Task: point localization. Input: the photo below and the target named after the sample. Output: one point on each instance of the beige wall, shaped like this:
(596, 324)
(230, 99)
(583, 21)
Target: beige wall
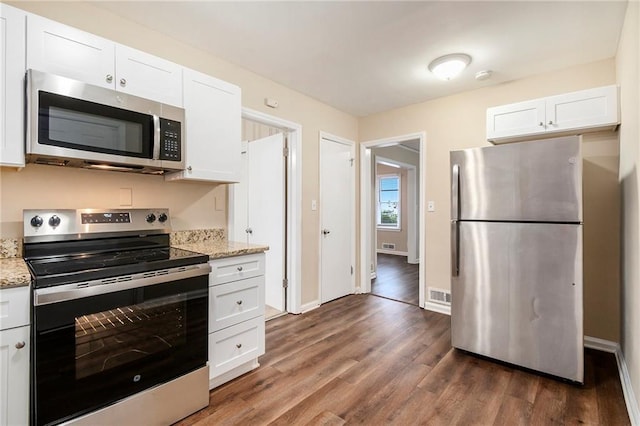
(457, 122)
(294, 106)
(397, 237)
(628, 72)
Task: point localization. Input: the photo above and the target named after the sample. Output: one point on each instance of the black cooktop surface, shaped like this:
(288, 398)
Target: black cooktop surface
(65, 269)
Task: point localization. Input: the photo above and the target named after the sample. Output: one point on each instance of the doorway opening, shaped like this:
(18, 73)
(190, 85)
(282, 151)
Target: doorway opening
(264, 207)
(396, 262)
(392, 222)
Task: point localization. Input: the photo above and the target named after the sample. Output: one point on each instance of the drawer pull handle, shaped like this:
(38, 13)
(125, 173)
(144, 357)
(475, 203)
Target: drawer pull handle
(20, 345)
(238, 345)
(239, 302)
(239, 268)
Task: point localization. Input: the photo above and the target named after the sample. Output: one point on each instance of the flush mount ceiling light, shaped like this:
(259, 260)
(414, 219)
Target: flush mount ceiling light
(449, 66)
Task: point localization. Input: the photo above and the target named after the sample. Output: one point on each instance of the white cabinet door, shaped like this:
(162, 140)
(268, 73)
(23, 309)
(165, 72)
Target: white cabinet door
(212, 133)
(516, 119)
(14, 376)
(582, 110)
(12, 70)
(62, 50)
(148, 76)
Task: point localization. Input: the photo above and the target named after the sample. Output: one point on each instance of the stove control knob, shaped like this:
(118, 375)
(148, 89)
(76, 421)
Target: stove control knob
(151, 218)
(162, 218)
(36, 221)
(54, 220)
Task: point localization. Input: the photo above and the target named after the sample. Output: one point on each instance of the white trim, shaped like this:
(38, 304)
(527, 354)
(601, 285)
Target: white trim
(309, 306)
(396, 252)
(352, 145)
(366, 228)
(294, 204)
(625, 380)
(601, 344)
(436, 307)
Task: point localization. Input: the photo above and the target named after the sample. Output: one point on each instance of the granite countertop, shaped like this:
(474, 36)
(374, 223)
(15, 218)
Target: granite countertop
(14, 273)
(217, 249)
(212, 242)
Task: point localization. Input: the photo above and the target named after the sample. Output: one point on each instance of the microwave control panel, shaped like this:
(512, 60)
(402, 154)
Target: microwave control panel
(170, 140)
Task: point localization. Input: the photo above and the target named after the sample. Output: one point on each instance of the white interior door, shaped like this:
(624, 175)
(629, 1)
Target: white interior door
(241, 199)
(265, 168)
(337, 218)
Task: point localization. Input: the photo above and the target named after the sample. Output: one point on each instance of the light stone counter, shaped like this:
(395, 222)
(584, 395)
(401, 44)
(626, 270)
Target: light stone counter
(217, 249)
(14, 273)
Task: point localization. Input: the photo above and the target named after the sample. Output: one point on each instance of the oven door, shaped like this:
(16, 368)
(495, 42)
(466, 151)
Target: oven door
(90, 352)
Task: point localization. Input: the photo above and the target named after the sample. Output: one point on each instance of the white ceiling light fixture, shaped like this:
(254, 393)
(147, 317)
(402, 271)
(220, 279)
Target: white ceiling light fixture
(449, 66)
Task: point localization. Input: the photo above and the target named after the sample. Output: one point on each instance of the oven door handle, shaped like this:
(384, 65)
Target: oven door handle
(65, 292)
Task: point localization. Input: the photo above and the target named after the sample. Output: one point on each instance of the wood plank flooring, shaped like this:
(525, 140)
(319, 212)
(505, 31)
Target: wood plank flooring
(396, 279)
(368, 360)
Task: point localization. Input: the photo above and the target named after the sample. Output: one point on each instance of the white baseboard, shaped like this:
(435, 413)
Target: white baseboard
(436, 307)
(395, 252)
(625, 380)
(309, 306)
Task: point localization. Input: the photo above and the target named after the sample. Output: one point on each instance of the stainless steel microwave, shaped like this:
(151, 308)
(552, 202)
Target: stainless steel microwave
(71, 123)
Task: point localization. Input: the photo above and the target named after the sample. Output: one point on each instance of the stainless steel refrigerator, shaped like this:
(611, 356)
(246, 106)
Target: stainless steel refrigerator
(516, 254)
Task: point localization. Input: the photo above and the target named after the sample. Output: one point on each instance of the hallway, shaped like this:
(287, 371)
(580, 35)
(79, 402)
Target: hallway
(396, 279)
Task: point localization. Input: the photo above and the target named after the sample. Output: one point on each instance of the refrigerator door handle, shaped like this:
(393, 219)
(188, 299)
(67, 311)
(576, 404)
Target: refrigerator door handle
(455, 243)
(455, 216)
(455, 192)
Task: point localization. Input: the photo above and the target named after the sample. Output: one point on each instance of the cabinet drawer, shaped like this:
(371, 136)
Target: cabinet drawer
(236, 268)
(14, 307)
(235, 345)
(234, 302)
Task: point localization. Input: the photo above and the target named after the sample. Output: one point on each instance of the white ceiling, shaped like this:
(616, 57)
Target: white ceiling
(365, 57)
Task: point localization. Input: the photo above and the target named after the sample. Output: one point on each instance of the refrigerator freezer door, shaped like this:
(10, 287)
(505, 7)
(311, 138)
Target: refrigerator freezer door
(518, 295)
(537, 181)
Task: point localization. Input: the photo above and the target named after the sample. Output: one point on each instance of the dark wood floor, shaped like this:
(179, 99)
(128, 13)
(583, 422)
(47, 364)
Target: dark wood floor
(396, 279)
(368, 360)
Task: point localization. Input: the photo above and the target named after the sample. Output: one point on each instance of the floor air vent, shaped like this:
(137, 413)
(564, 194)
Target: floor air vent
(438, 295)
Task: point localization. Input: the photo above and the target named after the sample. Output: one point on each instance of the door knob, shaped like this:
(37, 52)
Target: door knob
(249, 231)
(123, 82)
(326, 232)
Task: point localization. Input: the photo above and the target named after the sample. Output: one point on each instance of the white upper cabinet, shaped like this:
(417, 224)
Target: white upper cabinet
(582, 110)
(213, 116)
(516, 119)
(69, 52)
(12, 71)
(148, 76)
(576, 112)
(62, 50)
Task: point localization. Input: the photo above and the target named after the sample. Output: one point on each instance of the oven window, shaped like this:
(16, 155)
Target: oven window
(88, 126)
(123, 335)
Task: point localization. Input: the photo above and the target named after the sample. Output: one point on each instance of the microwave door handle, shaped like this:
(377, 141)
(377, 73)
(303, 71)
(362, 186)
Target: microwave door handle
(156, 137)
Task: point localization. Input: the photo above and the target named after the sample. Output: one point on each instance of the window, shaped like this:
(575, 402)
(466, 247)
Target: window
(389, 201)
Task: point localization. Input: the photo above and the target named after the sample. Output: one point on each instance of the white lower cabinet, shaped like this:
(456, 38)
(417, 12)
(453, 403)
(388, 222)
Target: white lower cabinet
(14, 356)
(236, 316)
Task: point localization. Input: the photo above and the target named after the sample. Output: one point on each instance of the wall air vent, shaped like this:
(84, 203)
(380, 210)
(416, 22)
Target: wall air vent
(438, 295)
(388, 246)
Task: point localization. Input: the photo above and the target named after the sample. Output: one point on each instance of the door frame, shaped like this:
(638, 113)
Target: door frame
(293, 207)
(352, 220)
(366, 214)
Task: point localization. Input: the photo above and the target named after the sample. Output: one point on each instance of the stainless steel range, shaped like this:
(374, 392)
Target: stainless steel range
(119, 318)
